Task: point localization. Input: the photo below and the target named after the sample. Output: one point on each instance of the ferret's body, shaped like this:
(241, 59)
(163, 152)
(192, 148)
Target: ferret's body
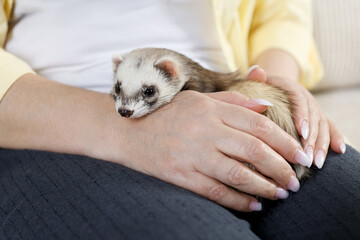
(146, 79)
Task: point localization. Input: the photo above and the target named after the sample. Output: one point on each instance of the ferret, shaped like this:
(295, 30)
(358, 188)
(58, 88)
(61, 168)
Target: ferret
(148, 78)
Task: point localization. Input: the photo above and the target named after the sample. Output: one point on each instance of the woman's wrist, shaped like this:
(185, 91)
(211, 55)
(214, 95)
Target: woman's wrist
(111, 138)
(40, 114)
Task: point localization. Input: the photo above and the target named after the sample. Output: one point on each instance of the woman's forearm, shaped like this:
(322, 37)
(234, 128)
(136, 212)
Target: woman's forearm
(279, 63)
(37, 113)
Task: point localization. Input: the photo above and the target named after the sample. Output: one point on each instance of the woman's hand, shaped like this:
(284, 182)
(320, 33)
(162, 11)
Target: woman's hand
(194, 142)
(317, 131)
(197, 142)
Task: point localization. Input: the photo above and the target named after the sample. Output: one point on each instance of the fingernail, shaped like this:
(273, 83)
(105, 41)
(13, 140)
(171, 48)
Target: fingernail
(310, 153)
(293, 184)
(320, 158)
(342, 148)
(251, 69)
(305, 129)
(302, 158)
(255, 206)
(261, 102)
(281, 193)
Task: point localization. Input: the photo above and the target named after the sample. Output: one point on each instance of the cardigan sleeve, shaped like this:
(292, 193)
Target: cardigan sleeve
(286, 25)
(11, 67)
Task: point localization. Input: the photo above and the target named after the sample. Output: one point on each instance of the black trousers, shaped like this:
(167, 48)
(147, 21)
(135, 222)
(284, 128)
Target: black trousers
(56, 196)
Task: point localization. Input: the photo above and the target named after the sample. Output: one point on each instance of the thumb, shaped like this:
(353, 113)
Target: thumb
(256, 73)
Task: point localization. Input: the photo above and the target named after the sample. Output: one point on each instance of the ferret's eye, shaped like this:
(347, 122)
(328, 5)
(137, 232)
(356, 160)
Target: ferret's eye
(117, 88)
(149, 92)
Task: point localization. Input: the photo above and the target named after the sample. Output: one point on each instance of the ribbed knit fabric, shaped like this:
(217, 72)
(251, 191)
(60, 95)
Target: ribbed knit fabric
(326, 206)
(57, 196)
(337, 34)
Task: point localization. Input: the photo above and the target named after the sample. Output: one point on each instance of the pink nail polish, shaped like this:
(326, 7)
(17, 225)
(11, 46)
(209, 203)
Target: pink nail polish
(342, 148)
(302, 158)
(251, 69)
(262, 102)
(255, 206)
(305, 129)
(281, 193)
(320, 158)
(293, 184)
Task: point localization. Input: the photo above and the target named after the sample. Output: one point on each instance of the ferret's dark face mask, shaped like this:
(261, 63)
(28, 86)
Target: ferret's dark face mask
(138, 104)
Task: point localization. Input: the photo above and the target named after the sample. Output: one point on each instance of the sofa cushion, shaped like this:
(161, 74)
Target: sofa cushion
(343, 107)
(337, 33)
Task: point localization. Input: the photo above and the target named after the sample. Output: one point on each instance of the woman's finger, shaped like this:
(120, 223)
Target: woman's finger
(237, 175)
(266, 130)
(309, 143)
(256, 73)
(237, 98)
(301, 113)
(219, 193)
(300, 104)
(336, 138)
(246, 148)
(322, 143)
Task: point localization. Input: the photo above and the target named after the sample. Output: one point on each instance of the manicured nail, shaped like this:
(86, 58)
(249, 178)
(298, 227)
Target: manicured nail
(302, 158)
(310, 152)
(262, 102)
(305, 129)
(255, 206)
(281, 193)
(293, 184)
(342, 148)
(320, 158)
(251, 69)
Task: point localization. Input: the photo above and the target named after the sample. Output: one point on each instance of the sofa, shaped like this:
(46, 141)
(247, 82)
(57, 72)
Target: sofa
(337, 34)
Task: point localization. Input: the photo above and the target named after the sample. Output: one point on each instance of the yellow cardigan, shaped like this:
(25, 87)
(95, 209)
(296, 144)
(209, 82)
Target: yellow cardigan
(246, 29)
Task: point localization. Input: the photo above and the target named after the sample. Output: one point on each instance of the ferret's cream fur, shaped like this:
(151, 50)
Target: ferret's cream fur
(167, 73)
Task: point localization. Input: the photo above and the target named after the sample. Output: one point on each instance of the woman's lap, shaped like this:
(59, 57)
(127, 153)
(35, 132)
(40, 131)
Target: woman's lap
(325, 207)
(57, 196)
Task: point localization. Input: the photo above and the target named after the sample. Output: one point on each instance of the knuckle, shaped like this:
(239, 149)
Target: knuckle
(217, 193)
(235, 94)
(262, 126)
(324, 123)
(238, 175)
(205, 104)
(255, 151)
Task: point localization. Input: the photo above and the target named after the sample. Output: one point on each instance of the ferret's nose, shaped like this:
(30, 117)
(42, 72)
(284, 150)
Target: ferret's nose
(125, 112)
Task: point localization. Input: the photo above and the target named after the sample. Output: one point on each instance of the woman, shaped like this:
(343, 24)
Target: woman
(48, 195)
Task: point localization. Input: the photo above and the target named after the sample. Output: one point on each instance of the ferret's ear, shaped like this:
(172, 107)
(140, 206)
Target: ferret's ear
(116, 59)
(168, 67)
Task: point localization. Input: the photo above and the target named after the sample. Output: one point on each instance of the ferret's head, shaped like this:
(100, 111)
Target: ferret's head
(144, 81)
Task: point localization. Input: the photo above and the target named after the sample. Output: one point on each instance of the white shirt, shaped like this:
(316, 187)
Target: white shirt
(72, 41)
